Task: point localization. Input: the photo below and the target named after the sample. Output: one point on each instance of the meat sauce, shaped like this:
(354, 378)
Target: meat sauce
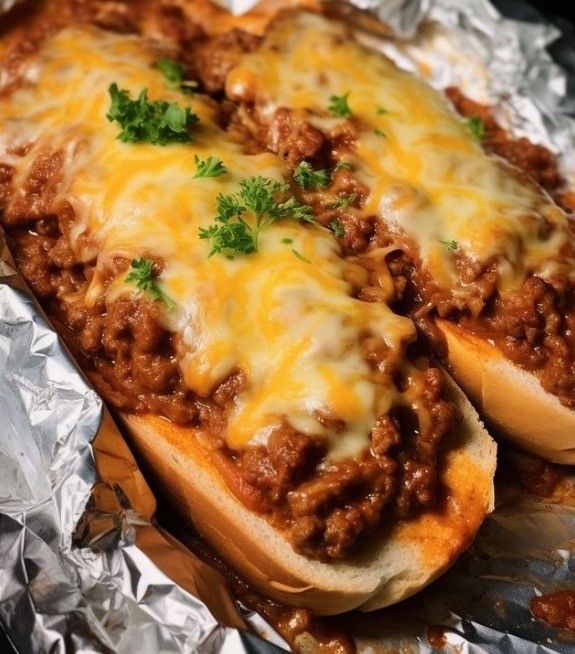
(533, 326)
(326, 507)
(132, 362)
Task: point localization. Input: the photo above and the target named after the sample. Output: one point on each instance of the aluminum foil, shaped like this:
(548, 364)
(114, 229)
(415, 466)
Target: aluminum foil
(525, 548)
(493, 59)
(84, 568)
(237, 7)
(67, 478)
(6, 5)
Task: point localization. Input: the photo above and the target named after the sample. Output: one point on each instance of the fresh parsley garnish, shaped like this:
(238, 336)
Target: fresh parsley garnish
(339, 106)
(158, 122)
(381, 111)
(380, 133)
(210, 167)
(306, 177)
(173, 72)
(141, 274)
(344, 201)
(337, 228)
(450, 245)
(476, 127)
(299, 255)
(287, 241)
(343, 165)
(261, 201)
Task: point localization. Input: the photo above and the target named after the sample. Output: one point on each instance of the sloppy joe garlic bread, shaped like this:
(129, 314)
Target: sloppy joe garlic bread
(224, 230)
(481, 255)
(401, 558)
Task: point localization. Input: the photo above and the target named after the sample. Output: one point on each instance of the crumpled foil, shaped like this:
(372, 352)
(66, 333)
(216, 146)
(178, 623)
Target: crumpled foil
(115, 594)
(493, 59)
(84, 568)
(237, 7)
(6, 5)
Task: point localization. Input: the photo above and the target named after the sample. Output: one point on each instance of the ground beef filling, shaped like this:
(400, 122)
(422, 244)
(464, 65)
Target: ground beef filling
(535, 160)
(133, 362)
(533, 326)
(325, 506)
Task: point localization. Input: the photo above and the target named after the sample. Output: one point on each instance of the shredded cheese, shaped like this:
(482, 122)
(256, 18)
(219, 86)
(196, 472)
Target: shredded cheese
(426, 173)
(291, 325)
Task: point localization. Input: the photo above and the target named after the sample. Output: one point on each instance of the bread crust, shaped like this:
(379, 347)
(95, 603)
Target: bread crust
(508, 397)
(397, 561)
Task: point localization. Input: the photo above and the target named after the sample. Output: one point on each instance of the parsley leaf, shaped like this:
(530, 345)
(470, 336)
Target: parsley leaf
(141, 276)
(344, 201)
(380, 133)
(339, 106)
(210, 167)
(337, 228)
(157, 122)
(343, 165)
(306, 177)
(381, 111)
(300, 256)
(174, 71)
(476, 127)
(263, 201)
(450, 245)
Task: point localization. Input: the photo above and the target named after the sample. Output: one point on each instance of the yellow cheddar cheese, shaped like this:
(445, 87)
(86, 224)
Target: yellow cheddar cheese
(426, 173)
(289, 323)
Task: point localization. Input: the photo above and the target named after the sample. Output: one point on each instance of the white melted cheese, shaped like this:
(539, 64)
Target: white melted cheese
(290, 325)
(426, 173)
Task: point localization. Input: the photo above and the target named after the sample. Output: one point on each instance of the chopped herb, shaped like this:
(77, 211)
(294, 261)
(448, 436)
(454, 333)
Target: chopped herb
(174, 72)
(261, 199)
(344, 201)
(306, 177)
(381, 111)
(339, 106)
(287, 241)
(157, 122)
(337, 228)
(343, 165)
(380, 133)
(299, 255)
(141, 275)
(450, 245)
(476, 127)
(210, 167)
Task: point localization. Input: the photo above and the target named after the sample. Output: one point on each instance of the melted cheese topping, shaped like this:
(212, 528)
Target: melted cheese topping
(426, 173)
(290, 325)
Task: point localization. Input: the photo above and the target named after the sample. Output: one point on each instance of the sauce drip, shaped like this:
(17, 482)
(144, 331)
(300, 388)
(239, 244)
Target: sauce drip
(556, 609)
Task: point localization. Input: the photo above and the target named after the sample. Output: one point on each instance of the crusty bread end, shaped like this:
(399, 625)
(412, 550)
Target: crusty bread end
(401, 558)
(509, 397)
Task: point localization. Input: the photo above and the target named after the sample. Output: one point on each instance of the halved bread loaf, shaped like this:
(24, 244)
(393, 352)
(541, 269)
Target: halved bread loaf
(397, 561)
